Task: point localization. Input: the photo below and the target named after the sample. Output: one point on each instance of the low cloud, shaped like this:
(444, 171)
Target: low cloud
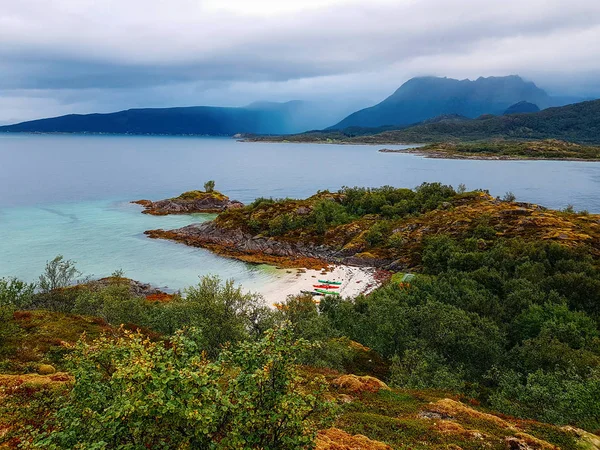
(83, 55)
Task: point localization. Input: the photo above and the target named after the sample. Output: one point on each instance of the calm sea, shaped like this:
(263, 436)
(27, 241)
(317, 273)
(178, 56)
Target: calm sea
(69, 194)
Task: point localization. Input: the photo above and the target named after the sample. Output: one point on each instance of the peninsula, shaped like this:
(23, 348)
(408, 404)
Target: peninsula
(550, 149)
(383, 227)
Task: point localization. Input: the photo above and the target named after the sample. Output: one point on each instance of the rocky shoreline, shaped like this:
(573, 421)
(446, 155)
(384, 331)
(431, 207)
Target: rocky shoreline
(244, 246)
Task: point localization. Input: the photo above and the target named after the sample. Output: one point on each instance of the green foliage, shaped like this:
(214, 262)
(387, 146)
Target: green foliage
(16, 293)
(556, 320)
(209, 186)
(326, 211)
(59, 273)
(8, 328)
(560, 397)
(393, 202)
(422, 369)
(222, 312)
(131, 393)
(509, 197)
(483, 310)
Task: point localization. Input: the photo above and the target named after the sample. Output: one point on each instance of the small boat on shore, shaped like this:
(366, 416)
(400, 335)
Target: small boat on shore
(325, 286)
(338, 283)
(324, 292)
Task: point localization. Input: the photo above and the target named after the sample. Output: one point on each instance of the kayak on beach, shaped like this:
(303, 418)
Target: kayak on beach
(327, 292)
(325, 286)
(330, 282)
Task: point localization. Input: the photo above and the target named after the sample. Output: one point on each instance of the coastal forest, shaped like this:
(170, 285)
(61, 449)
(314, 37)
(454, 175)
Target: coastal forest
(495, 341)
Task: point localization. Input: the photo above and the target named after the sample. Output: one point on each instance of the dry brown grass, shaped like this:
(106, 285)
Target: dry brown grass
(353, 383)
(336, 439)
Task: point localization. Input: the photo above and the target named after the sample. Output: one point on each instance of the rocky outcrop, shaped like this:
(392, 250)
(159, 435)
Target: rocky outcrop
(189, 203)
(245, 246)
(136, 288)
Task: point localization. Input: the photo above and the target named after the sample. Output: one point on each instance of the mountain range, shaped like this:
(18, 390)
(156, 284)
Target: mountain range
(260, 118)
(422, 98)
(418, 100)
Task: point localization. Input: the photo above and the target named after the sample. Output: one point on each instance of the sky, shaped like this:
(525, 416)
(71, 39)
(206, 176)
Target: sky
(79, 56)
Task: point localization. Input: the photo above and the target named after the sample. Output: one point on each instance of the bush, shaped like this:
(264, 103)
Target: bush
(558, 397)
(509, 197)
(209, 186)
(421, 369)
(59, 273)
(16, 293)
(8, 327)
(134, 393)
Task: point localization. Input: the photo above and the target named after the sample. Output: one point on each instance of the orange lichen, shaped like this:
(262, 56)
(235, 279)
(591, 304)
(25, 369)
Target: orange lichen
(353, 383)
(160, 298)
(336, 439)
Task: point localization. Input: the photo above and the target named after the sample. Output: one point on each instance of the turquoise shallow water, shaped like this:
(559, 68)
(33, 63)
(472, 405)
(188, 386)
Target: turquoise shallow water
(70, 195)
(103, 236)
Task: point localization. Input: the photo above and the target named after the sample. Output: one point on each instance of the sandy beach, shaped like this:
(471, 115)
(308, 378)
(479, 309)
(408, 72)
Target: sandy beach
(355, 281)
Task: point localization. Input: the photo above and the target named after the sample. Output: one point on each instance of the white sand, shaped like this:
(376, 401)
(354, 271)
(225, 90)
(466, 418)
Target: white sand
(355, 281)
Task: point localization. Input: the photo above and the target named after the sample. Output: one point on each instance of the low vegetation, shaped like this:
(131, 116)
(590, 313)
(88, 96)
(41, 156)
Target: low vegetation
(388, 227)
(502, 149)
(502, 316)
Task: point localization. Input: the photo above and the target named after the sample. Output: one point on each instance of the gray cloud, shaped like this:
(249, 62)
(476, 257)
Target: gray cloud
(83, 55)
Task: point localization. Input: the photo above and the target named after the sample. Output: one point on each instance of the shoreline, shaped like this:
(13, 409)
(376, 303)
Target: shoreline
(443, 155)
(355, 281)
(368, 144)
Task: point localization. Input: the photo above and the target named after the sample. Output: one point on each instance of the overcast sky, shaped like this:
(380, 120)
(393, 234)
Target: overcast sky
(64, 56)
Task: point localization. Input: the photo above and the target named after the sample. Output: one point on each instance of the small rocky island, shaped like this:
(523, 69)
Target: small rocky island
(207, 201)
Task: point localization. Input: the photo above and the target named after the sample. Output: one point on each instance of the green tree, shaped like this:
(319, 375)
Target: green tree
(209, 186)
(59, 273)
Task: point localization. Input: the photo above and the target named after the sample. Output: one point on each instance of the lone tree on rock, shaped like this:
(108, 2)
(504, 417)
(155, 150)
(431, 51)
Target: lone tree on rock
(209, 186)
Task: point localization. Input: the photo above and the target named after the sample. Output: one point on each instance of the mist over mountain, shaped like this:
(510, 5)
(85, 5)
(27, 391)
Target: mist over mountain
(423, 98)
(259, 118)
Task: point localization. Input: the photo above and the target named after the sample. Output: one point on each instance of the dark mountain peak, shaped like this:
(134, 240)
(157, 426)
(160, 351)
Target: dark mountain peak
(425, 97)
(521, 107)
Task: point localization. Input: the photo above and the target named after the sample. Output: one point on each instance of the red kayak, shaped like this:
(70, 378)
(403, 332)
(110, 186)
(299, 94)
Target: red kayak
(325, 286)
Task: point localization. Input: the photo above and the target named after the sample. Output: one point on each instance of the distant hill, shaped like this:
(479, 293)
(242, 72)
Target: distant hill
(260, 118)
(522, 107)
(423, 98)
(578, 123)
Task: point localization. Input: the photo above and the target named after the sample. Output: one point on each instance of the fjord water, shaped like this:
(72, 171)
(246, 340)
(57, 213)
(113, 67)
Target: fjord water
(70, 194)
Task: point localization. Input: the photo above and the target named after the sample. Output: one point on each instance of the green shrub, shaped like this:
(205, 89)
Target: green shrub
(209, 186)
(556, 396)
(59, 273)
(422, 369)
(134, 393)
(16, 293)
